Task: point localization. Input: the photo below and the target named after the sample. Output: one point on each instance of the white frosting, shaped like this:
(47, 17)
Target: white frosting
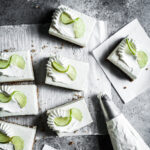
(5, 129)
(64, 29)
(61, 113)
(12, 70)
(55, 75)
(124, 136)
(128, 59)
(12, 105)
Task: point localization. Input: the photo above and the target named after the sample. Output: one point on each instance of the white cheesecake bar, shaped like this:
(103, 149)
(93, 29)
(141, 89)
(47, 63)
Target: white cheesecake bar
(66, 32)
(13, 73)
(73, 125)
(12, 108)
(59, 79)
(27, 134)
(47, 147)
(126, 57)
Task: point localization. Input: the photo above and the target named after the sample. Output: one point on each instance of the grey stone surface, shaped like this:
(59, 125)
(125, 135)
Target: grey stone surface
(117, 13)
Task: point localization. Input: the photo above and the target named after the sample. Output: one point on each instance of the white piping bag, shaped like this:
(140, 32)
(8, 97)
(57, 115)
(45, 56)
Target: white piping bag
(123, 135)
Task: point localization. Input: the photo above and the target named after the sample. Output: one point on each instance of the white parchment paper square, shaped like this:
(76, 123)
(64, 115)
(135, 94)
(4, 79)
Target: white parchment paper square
(126, 89)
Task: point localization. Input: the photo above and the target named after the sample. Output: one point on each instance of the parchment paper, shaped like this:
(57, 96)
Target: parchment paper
(35, 38)
(126, 89)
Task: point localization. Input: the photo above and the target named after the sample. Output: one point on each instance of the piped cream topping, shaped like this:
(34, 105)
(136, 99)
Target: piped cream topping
(124, 55)
(55, 75)
(61, 113)
(66, 30)
(11, 106)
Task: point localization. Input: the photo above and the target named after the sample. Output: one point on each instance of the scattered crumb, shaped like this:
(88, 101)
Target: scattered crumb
(76, 131)
(32, 45)
(146, 69)
(33, 50)
(124, 87)
(70, 143)
(131, 80)
(5, 50)
(44, 46)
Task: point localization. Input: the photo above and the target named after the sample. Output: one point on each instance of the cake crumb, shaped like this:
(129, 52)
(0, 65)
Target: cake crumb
(124, 87)
(70, 143)
(32, 45)
(33, 50)
(146, 69)
(44, 46)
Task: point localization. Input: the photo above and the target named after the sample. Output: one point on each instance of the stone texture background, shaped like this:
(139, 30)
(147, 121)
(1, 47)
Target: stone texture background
(117, 13)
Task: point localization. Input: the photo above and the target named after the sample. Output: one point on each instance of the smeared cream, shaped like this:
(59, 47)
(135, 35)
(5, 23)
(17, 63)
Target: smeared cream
(61, 113)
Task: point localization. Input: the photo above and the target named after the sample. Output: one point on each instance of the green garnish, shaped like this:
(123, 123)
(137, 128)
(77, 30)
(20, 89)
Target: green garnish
(4, 138)
(62, 121)
(18, 142)
(76, 113)
(131, 46)
(79, 28)
(4, 98)
(65, 18)
(4, 64)
(19, 97)
(58, 67)
(18, 61)
(71, 72)
(15, 60)
(142, 59)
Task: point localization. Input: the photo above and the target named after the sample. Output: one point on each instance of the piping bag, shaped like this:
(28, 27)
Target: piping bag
(123, 136)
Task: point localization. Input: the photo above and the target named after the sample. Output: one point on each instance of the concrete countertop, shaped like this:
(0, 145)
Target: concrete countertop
(117, 13)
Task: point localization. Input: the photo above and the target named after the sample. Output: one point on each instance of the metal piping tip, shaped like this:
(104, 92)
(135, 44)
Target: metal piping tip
(110, 110)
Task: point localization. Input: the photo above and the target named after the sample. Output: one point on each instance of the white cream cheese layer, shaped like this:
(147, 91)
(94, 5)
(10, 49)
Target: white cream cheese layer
(55, 75)
(74, 125)
(11, 106)
(12, 70)
(61, 113)
(64, 29)
(5, 129)
(26, 133)
(13, 109)
(13, 73)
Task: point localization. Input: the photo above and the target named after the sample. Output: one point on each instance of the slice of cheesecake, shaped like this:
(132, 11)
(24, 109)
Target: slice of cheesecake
(16, 66)
(72, 26)
(68, 118)
(18, 100)
(67, 73)
(16, 136)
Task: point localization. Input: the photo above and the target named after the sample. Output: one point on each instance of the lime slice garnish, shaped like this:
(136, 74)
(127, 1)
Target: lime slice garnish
(65, 18)
(20, 98)
(131, 46)
(62, 121)
(79, 28)
(142, 59)
(4, 64)
(71, 72)
(17, 142)
(76, 113)
(18, 61)
(4, 138)
(5, 98)
(58, 67)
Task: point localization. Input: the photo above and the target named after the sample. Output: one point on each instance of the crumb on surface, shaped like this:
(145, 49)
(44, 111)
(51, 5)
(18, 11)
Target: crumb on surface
(124, 87)
(146, 69)
(33, 50)
(71, 143)
(44, 46)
